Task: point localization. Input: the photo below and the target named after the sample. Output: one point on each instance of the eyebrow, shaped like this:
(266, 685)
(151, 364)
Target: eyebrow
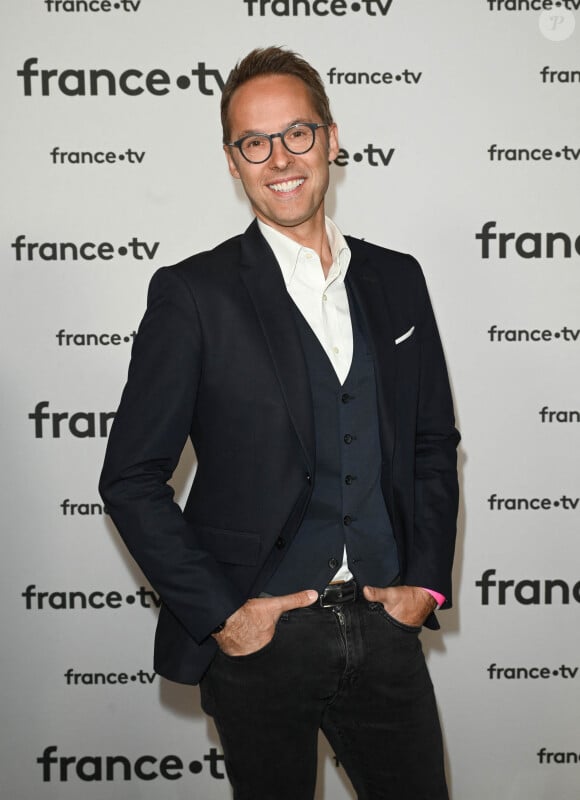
(251, 132)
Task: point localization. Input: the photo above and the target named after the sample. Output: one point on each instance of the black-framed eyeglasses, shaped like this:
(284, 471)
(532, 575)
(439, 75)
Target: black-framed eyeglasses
(297, 139)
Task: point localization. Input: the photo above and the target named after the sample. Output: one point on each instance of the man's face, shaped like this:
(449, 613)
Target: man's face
(286, 191)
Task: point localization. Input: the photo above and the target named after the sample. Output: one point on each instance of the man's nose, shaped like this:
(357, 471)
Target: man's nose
(280, 157)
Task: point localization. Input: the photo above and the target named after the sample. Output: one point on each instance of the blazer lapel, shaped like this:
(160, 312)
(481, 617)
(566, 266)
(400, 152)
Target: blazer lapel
(369, 293)
(263, 279)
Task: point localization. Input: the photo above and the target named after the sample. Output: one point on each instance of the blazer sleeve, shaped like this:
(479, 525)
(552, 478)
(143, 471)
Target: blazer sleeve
(145, 444)
(436, 493)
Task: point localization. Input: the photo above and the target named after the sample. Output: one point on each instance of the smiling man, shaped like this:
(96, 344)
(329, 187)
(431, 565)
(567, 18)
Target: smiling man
(319, 532)
(286, 193)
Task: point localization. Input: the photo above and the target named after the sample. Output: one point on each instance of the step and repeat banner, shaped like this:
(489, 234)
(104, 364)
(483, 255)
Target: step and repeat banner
(459, 123)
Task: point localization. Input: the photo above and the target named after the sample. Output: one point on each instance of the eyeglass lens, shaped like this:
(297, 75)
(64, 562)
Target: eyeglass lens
(297, 139)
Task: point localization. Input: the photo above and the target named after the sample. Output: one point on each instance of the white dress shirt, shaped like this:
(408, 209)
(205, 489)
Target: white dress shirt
(323, 302)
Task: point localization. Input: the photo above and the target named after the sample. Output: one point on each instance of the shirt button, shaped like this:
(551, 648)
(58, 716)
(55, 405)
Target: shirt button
(324, 297)
(333, 563)
(347, 520)
(280, 543)
(347, 438)
(335, 350)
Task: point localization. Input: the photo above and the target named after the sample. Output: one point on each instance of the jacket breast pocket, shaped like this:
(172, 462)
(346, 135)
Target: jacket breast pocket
(405, 345)
(404, 338)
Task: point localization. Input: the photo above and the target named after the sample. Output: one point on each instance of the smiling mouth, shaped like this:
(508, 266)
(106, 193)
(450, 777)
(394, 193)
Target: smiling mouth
(286, 186)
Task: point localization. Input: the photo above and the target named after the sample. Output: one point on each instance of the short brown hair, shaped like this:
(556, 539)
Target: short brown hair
(274, 61)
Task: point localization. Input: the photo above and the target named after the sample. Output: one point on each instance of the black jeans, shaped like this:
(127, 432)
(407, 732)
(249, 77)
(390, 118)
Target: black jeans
(352, 671)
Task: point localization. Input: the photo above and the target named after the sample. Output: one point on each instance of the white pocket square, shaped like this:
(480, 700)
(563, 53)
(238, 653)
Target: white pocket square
(406, 335)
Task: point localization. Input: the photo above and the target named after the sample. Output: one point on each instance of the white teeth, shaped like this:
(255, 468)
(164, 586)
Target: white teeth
(286, 186)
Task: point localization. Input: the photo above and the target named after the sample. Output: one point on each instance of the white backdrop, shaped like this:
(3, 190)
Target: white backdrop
(83, 715)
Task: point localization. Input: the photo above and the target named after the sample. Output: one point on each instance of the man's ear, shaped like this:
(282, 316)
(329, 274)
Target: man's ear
(333, 147)
(234, 172)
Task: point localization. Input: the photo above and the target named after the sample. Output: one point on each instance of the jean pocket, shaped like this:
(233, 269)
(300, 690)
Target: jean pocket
(380, 609)
(255, 654)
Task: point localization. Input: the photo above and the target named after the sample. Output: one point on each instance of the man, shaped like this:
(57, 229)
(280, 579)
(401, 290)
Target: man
(319, 532)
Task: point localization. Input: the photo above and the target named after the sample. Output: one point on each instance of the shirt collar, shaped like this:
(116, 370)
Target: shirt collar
(287, 251)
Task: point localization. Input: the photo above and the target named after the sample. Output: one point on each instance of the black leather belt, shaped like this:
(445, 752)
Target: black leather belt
(337, 594)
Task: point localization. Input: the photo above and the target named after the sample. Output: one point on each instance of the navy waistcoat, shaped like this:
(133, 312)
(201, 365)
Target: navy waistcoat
(347, 504)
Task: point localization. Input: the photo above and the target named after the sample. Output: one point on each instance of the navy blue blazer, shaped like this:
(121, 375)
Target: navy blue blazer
(217, 358)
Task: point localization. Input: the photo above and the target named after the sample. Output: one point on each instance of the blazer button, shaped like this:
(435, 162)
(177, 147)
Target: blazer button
(347, 438)
(280, 543)
(347, 520)
(332, 563)
(308, 478)
(346, 397)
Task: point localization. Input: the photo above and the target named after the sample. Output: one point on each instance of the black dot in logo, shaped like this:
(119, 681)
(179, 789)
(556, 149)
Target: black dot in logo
(355, 6)
(121, 157)
(195, 767)
(556, 503)
(130, 599)
(558, 4)
(397, 77)
(133, 678)
(183, 82)
(122, 251)
(557, 335)
(555, 672)
(557, 154)
(126, 338)
(117, 5)
(357, 156)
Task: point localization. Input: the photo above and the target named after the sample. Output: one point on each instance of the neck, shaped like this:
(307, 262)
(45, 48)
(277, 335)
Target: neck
(311, 234)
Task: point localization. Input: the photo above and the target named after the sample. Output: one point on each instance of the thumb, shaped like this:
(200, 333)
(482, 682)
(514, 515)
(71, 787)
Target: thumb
(287, 602)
